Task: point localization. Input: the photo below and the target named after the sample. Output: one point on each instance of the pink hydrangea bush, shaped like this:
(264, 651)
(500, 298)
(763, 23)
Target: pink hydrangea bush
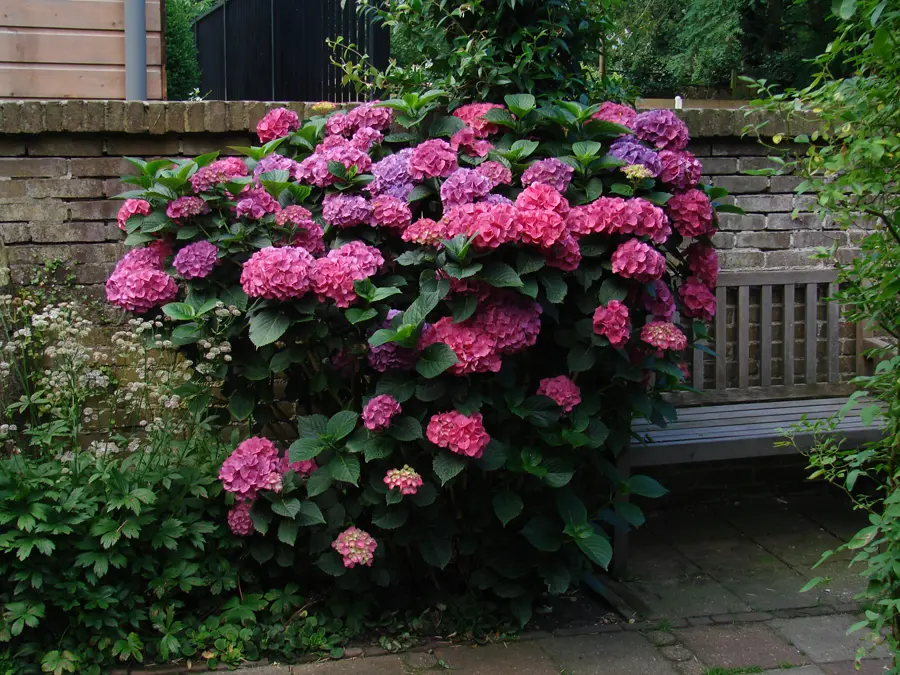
(434, 337)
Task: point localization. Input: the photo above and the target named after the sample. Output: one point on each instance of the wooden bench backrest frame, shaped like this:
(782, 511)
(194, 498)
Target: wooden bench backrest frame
(796, 284)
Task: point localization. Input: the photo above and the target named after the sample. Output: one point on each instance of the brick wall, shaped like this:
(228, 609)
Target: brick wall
(60, 162)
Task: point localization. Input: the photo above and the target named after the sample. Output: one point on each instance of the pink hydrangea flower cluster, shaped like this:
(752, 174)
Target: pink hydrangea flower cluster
(552, 172)
(424, 231)
(633, 259)
(391, 212)
(253, 466)
(679, 168)
(356, 546)
(256, 203)
(464, 186)
(365, 137)
(186, 207)
(697, 300)
(197, 260)
(276, 162)
(344, 210)
(661, 128)
(472, 114)
(276, 124)
(305, 232)
(379, 412)
(612, 322)
(314, 169)
(221, 171)
(476, 351)
(703, 261)
(565, 254)
(496, 172)
(615, 113)
(138, 283)
(466, 141)
(664, 335)
(278, 273)
(540, 196)
(239, 518)
(130, 208)
(406, 480)
(458, 433)
(564, 392)
(660, 304)
(336, 272)
(691, 213)
(432, 159)
(367, 115)
(304, 467)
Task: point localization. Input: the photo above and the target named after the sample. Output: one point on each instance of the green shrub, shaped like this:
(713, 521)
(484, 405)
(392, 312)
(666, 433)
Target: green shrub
(182, 65)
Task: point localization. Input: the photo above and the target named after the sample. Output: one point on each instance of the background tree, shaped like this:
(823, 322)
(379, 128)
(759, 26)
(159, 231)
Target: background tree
(182, 64)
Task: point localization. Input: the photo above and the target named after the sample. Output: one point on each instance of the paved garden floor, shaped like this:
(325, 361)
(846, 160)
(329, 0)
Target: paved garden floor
(720, 587)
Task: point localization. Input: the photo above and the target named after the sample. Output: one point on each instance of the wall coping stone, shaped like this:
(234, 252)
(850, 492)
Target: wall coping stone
(161, 117)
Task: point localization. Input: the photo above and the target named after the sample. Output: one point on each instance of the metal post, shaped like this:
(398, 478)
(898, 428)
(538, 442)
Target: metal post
(136, 50)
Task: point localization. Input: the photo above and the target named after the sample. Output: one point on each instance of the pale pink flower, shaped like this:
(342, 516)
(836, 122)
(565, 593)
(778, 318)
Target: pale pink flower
(379, 412)
(460, 434)
(356, 546)
(564, 392)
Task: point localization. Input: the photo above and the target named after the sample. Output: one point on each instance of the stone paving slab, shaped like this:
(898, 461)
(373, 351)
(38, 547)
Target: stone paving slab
(515, 658)
(607, 654)
(681, 597)
(378, 665)
(868, 667)
(769, 590)
(803, 670)
(824, 638)
(740, 646)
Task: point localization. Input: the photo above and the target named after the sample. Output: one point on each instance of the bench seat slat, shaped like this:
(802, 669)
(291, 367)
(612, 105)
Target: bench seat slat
(752, 431)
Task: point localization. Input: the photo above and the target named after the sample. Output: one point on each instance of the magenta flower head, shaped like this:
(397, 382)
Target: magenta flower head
(564, 392)
(645, 219)
(424, 231)
(464, 186)
(239, 518)
(458, 433)
(540, 196)
(130, 208)
(697, 301)
(391, 213)
(379, 412)
(355, 546)
(304, 231)
(552, 172)
(565, 254)
(276, 162)
(304, 467)
(256, 203)
(432, 159)
(661, 304)
(185, 208)
(497, 172)
(336, 272)
(472, 115)
(196, 261)
(691, 213)
(343, 210)
(253, 466)
(612, 322)
(221, 171)
(365, 137)
(703, 261)
(278, 273)
(633, 259)
(661, 128)
(679, 168)
(664, 335)
(615, 113)
(138, 283)
(630, 151)
(476, 351)
(406, 480)
(277, 124)
(370, 115)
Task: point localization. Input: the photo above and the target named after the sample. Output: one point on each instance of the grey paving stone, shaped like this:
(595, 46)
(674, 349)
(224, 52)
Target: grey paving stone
(798, 549)
(688, 596)
(515, 658)
(844, 585)
(766, 590)
(379, 665)
(824, 638)
(868, 667)
(619, 654)
(740, 646)
(804, 670)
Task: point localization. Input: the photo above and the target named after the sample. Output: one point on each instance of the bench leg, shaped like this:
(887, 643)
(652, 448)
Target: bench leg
(620, 537)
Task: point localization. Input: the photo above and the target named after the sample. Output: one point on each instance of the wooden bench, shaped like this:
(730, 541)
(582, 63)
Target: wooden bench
(779, 358)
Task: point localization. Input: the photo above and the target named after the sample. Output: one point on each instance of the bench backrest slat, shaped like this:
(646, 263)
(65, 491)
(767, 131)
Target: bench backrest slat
(757, 311)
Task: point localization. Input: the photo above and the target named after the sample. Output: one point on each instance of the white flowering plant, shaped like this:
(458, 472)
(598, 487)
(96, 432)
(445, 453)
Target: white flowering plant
(439, 328)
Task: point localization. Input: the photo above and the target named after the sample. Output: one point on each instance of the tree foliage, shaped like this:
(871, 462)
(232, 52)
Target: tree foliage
(182, 65)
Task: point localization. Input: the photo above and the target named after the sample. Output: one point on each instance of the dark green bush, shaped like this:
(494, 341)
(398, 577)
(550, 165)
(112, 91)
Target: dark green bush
(182, 65)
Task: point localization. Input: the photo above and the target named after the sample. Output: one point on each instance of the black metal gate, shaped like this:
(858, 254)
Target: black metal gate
(274, 50)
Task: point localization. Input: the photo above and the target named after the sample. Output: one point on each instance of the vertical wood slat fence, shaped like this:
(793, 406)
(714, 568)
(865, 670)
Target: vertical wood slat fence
(275, 50)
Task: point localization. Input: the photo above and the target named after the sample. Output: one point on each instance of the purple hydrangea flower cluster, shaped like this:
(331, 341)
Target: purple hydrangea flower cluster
(276, 162)
(464, 186)
(552, 172)
(392, 175)
(629, 150)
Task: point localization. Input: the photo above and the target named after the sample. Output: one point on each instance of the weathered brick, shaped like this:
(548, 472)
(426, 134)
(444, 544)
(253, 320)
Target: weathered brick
(739, 149)
(723, 240)
(792, 258)
(115, 116)
(299, 107)
(803, 239)
(698, 148)
(81, 253)
(11, 148)
(784, 183)
(32, 117)
(200, 144)
(92, 273)
(10, 112)
(194, 116)
(216, 120)
(156, 118)
(236, 116)
(714, 166)
(741, 184)
(738, 222)
(48, 233)
(32, 168)
(763, 240)
(136, 117)
(175, 117)
(142, 147)
(12, 190)
(102, 210)
(34, 209)
(72, 188)
(54, 115)
(756, 163)
(737, 259)
(114, 186)
(94, 116)
(65, 146)
(784, 221)
(15, 233)
(765, 203)
(73, 115)
(255, 112)
(100, 166)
